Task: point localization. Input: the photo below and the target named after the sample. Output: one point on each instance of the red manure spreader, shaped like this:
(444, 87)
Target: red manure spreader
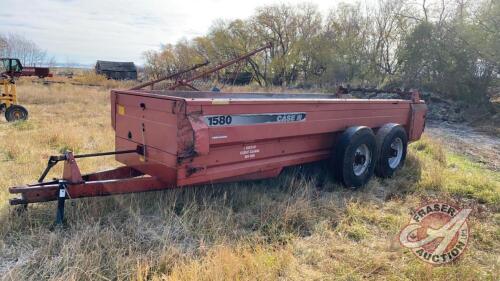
(168, 139)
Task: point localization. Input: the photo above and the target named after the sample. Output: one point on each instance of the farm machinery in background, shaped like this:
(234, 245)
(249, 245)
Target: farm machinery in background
(10, 70)
(40, 72)
(168, 138)
(185, 79)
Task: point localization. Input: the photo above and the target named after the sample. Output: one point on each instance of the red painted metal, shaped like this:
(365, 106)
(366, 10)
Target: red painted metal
(171, 76)
(41, 72)
(181, 148)
(44, 193)
(185, 82)
(117, 181)
(179, 140)
(179, 81)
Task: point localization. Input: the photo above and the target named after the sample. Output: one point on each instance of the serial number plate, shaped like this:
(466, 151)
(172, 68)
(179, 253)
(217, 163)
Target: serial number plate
(248, 119)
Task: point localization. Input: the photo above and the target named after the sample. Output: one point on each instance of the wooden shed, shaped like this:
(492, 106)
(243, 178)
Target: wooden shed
(116, 70)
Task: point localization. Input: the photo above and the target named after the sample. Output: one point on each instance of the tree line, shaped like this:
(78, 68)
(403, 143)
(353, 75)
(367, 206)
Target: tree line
(451, 47)
(28, 52)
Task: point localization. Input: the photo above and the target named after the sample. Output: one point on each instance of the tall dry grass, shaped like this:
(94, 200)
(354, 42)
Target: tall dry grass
(299, 226)
(89, 77)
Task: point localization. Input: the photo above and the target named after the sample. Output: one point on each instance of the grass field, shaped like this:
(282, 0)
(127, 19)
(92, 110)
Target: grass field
(299, 226)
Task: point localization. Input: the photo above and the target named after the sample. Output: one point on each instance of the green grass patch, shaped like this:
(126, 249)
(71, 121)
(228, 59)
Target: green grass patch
(455, 174)
(466, 178)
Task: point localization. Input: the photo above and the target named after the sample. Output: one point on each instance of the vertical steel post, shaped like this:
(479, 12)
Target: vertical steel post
(60, 203)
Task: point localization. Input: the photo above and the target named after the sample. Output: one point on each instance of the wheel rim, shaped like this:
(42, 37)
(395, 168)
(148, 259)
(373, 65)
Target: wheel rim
(362, 158)
(16, 114)
(396, 153)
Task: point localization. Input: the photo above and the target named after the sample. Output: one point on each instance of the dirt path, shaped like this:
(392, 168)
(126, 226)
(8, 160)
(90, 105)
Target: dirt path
(465, 140)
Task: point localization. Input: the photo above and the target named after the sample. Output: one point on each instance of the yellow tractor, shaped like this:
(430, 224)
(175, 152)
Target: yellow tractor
(10, 69)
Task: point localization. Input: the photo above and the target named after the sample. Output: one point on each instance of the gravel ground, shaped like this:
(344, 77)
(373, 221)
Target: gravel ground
(478, 146)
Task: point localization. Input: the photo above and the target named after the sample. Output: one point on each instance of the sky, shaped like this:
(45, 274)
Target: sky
(83, 31)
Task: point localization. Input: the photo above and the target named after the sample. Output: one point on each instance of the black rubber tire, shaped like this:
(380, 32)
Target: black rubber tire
(16, 113)
(344, 154)
(385, 137)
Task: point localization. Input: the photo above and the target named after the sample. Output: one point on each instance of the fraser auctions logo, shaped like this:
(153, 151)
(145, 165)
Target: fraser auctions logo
(438, 233)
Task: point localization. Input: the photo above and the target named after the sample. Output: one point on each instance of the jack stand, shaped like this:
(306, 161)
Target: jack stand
(60, 202)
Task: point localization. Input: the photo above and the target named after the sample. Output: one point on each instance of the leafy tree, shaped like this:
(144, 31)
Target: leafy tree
(451, 47)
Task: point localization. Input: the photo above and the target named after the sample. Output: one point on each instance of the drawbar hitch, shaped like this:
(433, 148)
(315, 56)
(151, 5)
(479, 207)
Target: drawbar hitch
(71, 177)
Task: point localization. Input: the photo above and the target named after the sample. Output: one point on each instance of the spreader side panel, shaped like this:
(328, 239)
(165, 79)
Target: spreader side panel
(260, 139)
(234, 123)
